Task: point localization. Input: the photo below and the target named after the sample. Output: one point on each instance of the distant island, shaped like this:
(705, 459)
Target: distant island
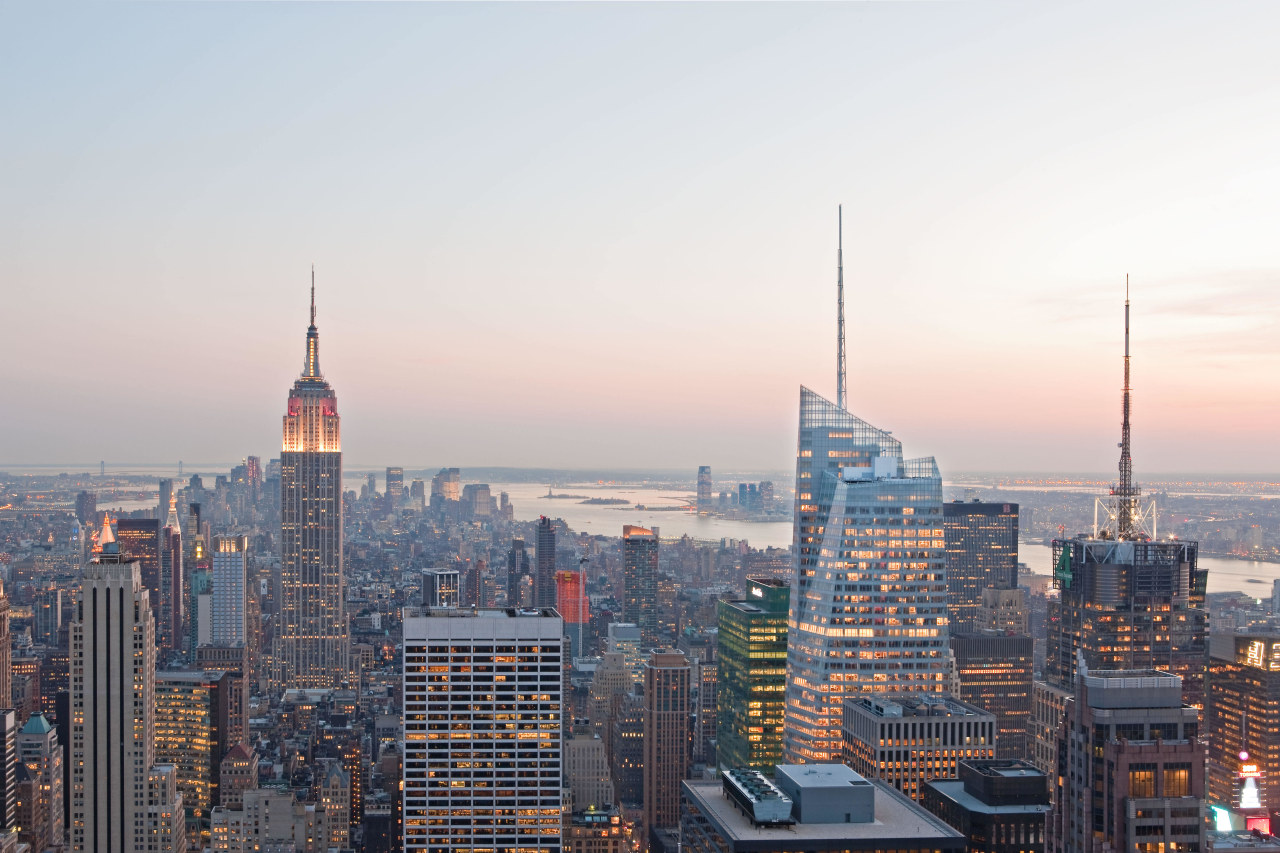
(549, 496)
(605, 501)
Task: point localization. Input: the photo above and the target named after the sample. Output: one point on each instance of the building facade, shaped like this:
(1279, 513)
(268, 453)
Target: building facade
(994, 671)
(1000, 806)
(544, 577)
(869, 594)
(640, 582)
(982, 552)
(752, 675)
(313, 643)
(1242, 717)
(121, 800)
(482, 727)
(230, 572)
(667, 678)
(908, 740)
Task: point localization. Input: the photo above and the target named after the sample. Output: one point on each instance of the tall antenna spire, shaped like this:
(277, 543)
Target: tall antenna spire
(313, 295)
(840, 369)
(1126, 493)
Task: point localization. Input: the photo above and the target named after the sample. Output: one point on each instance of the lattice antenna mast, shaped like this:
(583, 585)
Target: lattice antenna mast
(313, 295)
(840, 368)
(1126, 493)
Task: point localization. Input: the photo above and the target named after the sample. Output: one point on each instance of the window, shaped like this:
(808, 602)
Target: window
(1142, 780)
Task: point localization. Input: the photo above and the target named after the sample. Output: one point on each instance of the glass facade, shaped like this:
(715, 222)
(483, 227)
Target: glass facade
(868, 597)
(752, 675)
(640, 582)
(982, 552)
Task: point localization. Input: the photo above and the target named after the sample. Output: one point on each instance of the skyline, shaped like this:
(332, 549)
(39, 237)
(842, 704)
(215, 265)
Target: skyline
(624, 255)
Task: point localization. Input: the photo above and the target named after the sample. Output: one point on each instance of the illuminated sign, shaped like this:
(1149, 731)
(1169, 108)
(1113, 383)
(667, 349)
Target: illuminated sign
(757, 592)
(1261, 823)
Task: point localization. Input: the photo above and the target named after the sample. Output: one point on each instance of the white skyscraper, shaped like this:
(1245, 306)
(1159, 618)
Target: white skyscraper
(482, 729)
(869, 594)
(229, 570)
(121, 802)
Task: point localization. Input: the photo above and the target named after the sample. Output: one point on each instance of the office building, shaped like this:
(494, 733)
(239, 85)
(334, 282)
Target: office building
(627, 750)
(335, 798)
(1131, 774)
(1128, 604)
(6, 653)
(704, 488)
(86, 508)
(230, 570)
(517, 570)
(1000, 806)
(171, 617)
(504, 729)
(1242, 718)
(8, 779)
(810, 808)
(139, 538)
(312, 640)
(869, 594)
(46, 618)
(40, 759)
(667, 677)
(1048, 709)
(395, 488)
(193, 731)
(122, 801)
(586, 768)
(625, 638)
(994, 671)
(595, 829)
(1004, 611)
(752, 675)
(982, 552)
(237, 773)
(907, 740)
(440, 588)
(544, 578)
(640, 582)
(269, 821)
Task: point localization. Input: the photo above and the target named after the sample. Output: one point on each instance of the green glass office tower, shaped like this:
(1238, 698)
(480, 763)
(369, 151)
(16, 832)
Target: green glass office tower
(752, 675)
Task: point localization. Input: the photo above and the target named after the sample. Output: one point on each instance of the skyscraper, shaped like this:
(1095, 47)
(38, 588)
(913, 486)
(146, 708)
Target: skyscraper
(574, 608)
(982, 552)
(121, 801)
(493, 781)
(6, 653)
(666, 736)
(752, 675)
(171, 615)
(869, 589)
(517, 568)
(229, 578)
(704, 488)
(544, 579)
(1242, 716)
(395, 488)
(139, 538)
(313, 641)
(868, 597)
(640, 582)
(994, 670)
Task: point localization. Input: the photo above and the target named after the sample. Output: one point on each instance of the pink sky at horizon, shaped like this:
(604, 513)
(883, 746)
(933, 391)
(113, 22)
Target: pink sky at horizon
(595, 235)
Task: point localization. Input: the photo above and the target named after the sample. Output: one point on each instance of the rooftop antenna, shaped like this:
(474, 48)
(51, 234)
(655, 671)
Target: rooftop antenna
(840, 369)
(313, 295)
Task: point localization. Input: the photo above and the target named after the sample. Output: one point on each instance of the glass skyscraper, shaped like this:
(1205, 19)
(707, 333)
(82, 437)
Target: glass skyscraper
(752, 660)
(869, 592)
(313, 644)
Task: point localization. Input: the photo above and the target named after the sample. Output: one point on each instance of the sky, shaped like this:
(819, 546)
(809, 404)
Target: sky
(594, 235)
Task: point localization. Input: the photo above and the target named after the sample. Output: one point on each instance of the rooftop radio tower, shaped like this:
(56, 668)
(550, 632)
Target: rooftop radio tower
(840, 370)
(1132, 521)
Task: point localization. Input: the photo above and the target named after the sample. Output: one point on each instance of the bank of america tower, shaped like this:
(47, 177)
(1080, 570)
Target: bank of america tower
(869, 592)
(312, 639)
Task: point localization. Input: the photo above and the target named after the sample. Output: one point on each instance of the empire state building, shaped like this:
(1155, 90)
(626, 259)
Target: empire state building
(312, 642)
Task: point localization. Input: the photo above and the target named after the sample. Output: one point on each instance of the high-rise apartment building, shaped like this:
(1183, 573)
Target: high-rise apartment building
(482, 728)
(869, 594)
(982, 551)
(121, 800)
(312, 637)
(704, 488)
(544, 578)
(752, 675)
(1131, 766)
(667, 677)
(572, 603)
(994, 671)
(1242, 717)
(230, 570)
(640, 582)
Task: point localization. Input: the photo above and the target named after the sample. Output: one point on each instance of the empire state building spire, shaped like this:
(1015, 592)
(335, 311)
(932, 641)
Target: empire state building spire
(311, 365)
